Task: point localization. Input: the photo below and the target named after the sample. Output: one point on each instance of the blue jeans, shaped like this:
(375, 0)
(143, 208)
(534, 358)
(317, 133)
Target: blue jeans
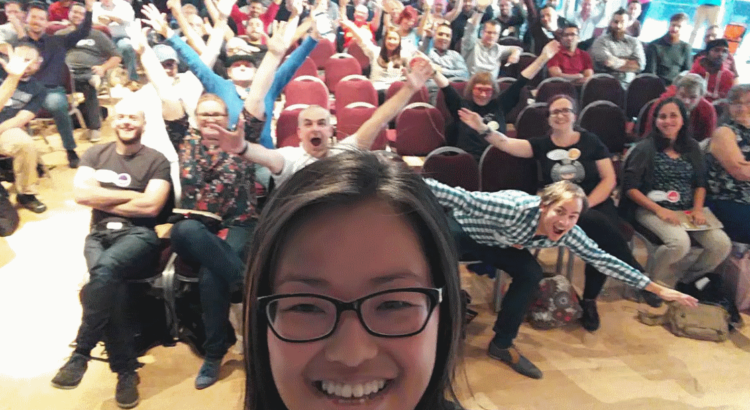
(56, 102)
(113, 257)
(125, 47)
(735, 217)
(222, 271)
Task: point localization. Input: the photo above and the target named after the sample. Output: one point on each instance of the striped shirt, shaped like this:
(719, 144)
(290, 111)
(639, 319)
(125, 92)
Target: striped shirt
(510, 218)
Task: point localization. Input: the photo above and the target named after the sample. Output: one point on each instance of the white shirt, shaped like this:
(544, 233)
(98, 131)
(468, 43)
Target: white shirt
(296, 158)
(120, 8)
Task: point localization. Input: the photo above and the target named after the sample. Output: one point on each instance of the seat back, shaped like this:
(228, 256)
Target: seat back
(355, 50)
(350, 119)
(511, 41)
(644, 88)
(286, 126)
(607, 121)
(555, 86)
(322, 52)
(602, 87)
(532, 122)
(459, 86)
(306, 90)
(338, 67)
(499, 171)
(642, 121)
(104, 29)
(524, 61)
(421, 96)
(453, 167)
(420, 128)
(355, 89)
(307, 68)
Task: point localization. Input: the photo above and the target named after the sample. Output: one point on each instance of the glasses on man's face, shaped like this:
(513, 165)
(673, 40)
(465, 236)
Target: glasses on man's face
(308, 317)
(561, 111)
(210, 114)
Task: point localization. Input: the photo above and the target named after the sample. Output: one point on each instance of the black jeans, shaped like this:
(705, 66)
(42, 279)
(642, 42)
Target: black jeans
(91, 110)
(222, 271)
(520, 264)
(600, 223)
(113, 257)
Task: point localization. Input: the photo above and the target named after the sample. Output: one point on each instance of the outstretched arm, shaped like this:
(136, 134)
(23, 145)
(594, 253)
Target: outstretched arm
(547, 53)
(193, 39)
(234, 142)
(451, 15)
(15, 68)
(513, 146)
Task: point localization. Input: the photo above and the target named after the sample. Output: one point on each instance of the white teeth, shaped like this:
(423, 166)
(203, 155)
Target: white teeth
(352, 390)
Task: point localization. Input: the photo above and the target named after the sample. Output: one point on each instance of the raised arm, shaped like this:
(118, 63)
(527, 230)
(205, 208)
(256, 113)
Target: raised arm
(234, 142)
(513, 146)
(470, 34)
(415, 80)
(175, 6)
(216, 39)
(549, 51)
(451, 15)
(426, 20)
(359, 37)
(72, 38)
(15, 68)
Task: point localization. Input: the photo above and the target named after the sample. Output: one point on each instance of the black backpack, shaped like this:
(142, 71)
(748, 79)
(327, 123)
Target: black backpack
(8, 214)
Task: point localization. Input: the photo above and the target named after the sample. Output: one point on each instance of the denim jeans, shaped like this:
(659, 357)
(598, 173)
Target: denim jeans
(91, 110)
(735, 217)
(222, 271)
(520, 264)
(56, 102)
(125, 47)
(113, 257)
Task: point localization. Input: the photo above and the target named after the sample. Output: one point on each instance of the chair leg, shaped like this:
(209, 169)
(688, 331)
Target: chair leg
(169, 296)
(559, 263)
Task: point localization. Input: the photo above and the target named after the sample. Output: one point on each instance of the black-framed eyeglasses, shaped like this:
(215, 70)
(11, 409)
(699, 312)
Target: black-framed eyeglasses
(309, 317)
(561, 111)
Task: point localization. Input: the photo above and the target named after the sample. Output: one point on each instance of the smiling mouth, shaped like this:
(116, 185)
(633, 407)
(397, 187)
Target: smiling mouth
(353, 392)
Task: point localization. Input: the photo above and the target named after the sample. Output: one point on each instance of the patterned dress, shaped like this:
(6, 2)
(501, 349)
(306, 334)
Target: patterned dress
(721, 185)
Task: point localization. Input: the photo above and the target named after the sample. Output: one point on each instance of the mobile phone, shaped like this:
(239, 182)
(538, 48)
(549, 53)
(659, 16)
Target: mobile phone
(323, 24)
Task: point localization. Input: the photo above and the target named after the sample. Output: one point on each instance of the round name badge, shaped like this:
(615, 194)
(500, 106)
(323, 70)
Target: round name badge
(673, 196)
(493, 125)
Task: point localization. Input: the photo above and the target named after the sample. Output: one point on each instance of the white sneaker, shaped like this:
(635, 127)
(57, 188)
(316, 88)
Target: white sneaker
(95, 135)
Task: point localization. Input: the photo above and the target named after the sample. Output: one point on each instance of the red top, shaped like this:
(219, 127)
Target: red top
(58, 12)
(349, 36)
(717, 84)
(571, 63)
(702, 118)
(240, 18)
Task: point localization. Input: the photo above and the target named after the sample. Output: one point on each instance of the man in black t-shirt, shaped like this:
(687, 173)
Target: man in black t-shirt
(22, 98)
(127, 185)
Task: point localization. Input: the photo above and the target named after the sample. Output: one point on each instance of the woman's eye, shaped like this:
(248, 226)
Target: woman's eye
(304, 308)
(394, 305)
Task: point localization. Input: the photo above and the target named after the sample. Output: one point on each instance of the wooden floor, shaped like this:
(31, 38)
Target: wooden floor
(625, 365)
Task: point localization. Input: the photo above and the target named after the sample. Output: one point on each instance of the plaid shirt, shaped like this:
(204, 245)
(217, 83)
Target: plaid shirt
(510, 218)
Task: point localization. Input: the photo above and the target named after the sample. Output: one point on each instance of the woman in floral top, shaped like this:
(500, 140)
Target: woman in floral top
(729, 167)
(222, 184)
(663, 176)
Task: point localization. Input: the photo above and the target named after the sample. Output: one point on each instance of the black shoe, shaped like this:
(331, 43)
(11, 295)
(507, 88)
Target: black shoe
(73, 159)
(70, 375)
(31, 203)
(126, 393)
(515, 360)
(590, 317)
(650, 298)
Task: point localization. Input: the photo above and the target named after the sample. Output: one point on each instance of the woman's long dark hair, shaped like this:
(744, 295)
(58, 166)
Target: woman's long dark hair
(348, 179)
(683, 136)
(394, 56)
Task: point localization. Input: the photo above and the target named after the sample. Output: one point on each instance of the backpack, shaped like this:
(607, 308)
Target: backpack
(707, 321)
(710, 288)
(8, 214)
(556, 304)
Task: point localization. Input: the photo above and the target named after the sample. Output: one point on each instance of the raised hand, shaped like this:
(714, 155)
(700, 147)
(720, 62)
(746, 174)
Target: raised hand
(472, 119)
(421, 71)
(232, 142)
(296, 7)
(156, 20)
(137, 36)
(279, 41)
(549, 50)
(89, 4)
(225, 6)
(17, 63)
(174, 5)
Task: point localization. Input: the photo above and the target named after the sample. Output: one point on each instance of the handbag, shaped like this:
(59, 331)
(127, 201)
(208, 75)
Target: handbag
(707, 321)
(556, 304)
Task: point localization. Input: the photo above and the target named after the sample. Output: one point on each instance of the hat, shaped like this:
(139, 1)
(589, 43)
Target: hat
(719, 42)
(252, 58)
(165, 53)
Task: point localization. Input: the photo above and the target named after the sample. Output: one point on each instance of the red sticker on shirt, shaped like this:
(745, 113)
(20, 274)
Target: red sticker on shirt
(673, 196)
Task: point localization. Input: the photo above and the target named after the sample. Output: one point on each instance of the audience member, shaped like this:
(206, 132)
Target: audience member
(691, 90)
(406, 26)
(126, 184)
(711, 67)
(511, 17)
(117, 15)
(668, 56)
(438, 14)
(14, 29)
(410, 257)
(708, 11)
(642, 12)
(315, 132)
(714, 33)
(578, 156)
(571, 63)
(543, 26)
(459, 24)
(501, 227)
(636, 18)
(450, 62)
(360, 20)
(21, 97)
(588, 18)
(729, 167)
(59, 10)
(89, 62)
(486, 54)
(663, 176)
(52, 72)
(257, 11)
(618, 53)
(386, 62)
(254, 33)
(481, 95)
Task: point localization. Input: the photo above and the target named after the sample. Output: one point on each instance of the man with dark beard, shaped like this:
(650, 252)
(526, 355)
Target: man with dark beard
(127, 185)
(617, 53)
(711, 67)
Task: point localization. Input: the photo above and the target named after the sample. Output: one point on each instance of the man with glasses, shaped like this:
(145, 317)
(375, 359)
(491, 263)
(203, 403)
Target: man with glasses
(487, 54)
(89, 62)
(571, 63)
(451, 64)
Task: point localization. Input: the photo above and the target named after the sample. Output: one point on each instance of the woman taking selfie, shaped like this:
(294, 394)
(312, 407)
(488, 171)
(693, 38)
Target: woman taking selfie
(336, 317)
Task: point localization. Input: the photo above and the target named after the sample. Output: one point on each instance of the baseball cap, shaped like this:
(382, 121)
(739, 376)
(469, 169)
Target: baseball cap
(165, 53)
